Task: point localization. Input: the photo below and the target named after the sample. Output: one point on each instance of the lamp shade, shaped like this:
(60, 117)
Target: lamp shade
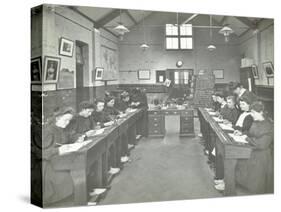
(211, 47)
(226, 31)
(144, 46)
(121, 29)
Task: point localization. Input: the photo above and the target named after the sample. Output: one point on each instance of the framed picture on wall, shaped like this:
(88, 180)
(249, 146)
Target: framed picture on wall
(66, 47)
(36, 70)
(218, 73)
(255, 71)
(99, 73)
(268, 69)
(144, 74)
(160, 76)
(51, 69)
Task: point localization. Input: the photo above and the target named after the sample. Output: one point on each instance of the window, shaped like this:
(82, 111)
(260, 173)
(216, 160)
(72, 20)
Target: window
(179, 37)
(181, 77)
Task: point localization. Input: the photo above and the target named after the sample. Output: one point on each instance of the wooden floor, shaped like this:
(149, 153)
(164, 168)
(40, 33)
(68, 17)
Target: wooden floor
(172, 168)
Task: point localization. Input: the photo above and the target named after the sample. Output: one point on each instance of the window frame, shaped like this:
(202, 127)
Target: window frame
(179, 36)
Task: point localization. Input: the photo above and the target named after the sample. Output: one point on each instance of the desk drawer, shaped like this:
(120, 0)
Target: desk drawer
(154, 112)
(155, 118)
(188, 113)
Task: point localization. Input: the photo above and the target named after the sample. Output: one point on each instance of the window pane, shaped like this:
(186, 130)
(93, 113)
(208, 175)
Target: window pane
(186, 29)
(185, 77)
(176, 75)
(186, 43)
(172, 43)
(171, 29)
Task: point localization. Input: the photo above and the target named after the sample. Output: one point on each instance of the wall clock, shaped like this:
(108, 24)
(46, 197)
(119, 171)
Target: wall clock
(179, 63)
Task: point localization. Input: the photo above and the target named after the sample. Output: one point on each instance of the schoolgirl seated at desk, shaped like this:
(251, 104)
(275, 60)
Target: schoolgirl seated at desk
(245, 119)
(99, 117)
(123, 103)
(109, 108)
(230, 114)
(57, 185)
(82, 123)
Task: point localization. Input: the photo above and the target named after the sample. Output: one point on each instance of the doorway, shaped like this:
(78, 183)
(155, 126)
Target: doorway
(82, 67)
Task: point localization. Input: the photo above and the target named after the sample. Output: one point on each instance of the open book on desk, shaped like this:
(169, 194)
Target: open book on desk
(218, 119)
(226, 127)
(211, 113)
(239, 138)
(68, 148)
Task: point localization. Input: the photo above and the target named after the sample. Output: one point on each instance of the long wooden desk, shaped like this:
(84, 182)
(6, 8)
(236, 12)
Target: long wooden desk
(226, 149)
(156, 121)
(104, 151)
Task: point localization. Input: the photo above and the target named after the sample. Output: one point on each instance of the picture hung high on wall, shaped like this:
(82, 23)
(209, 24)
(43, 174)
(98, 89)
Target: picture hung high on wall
(268, 69)
(66, 47)
(218, 73)
(51, 69)
(144, 74)
(255, 71)
(99, 73)
(36, 70)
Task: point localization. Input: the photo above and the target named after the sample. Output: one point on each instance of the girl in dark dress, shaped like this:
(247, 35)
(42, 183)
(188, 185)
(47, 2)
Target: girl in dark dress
(82, 122)
(99, 116)
(57, 184)
(245, 119)
(124, 102)
(109, 108)
(256, 173)
(231, 113)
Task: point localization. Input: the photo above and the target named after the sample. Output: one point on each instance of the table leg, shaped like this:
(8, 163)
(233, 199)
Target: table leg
(79, 176)
(229, 177)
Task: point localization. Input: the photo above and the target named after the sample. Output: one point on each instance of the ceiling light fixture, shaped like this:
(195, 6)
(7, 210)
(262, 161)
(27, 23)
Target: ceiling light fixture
(226, 31)
(144, 46)
(211, 47)
(121, 29)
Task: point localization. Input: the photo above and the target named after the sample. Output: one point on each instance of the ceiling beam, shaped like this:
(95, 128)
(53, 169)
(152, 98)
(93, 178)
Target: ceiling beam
(91, 20)
(222, 20)
(190, 18)
(108, 17)
(131, 17)
(247, 22)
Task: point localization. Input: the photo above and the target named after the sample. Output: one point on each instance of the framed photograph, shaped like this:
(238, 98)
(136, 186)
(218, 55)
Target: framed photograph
(99, 73)
(51, 69)
(218, 73)
(255, 71)
(144, 74)
(160, 76)
(36, 70)
(268, 69)
(66, 47)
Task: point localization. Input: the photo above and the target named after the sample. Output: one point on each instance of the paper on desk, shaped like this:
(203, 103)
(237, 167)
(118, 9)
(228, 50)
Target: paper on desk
(226, 127)
(68, 148)
(239, 138)
(212, 113)
(217, 119)
(208, 109)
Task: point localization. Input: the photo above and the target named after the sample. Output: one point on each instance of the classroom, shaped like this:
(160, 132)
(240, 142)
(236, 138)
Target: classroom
(132, 106)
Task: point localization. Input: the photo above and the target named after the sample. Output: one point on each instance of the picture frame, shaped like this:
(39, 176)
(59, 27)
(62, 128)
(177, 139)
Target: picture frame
(51, 69)
(144, 74)
(36, 70)
(66, 47)
(268, 69)
(160, 76)
(99, 73)
(255, 71)
(218, 73)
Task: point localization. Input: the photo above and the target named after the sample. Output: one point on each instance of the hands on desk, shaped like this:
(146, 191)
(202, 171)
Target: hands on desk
(237, 133)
